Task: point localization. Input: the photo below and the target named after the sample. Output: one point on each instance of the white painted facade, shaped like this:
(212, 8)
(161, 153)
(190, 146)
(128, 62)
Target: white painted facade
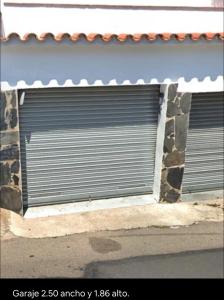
(32, 65)
(103, 20)
(191, 3)
(196, 65)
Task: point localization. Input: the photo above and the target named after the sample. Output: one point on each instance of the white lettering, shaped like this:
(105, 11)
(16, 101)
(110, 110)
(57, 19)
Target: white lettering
(28, 294)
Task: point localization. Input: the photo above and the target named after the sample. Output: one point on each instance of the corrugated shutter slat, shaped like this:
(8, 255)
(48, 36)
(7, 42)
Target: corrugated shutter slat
(204, 155)
(82, 143)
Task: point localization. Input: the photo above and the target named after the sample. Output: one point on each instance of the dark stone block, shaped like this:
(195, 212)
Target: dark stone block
(174, 177)
(14, 99)
(172, 110)
(3, 102)
(185, 103)
(163, 175)
(172, 91)
(11, 118)
(181, 127)
(14, 119)
(9, 137)
(15, 179)
(175, 158)
(179, 95)
(5, 174)
(11, 198)
(15, 167)
(169, 127)
(9, 153)
(8, 114)
(3, 125)
(164, 189)
(177, 102)
(162, 194)
(168, 145)
(172, 196)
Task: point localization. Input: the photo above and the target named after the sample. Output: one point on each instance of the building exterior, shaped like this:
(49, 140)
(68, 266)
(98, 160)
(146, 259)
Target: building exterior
(104, 101)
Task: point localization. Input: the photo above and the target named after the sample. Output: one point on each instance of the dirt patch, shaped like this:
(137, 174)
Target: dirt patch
(103, 245)
(217, 203)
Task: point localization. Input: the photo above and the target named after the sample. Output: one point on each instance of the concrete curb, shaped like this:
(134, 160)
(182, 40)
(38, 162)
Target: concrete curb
(142, 216)
(5, 217)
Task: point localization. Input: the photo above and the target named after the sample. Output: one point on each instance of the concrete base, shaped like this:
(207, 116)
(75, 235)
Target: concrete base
(138, 216)
(87, 206)
(4, 221)
(209, 195)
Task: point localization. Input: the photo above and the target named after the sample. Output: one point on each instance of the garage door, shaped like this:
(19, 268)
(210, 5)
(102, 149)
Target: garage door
(204, 156)
(88, 143)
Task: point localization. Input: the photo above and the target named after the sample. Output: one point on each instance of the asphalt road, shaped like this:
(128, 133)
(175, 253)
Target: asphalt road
(194, 264)
(156, 252)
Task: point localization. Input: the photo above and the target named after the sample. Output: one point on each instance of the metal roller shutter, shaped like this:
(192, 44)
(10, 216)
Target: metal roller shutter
(204, 155)
(86, 143)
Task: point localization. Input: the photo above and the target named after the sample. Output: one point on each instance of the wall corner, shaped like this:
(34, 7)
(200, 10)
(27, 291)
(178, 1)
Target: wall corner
(175, 128)
(10, 162)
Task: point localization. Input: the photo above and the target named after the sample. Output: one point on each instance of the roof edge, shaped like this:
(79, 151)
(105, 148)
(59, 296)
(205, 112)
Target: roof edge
(126, 3)
(107, 37)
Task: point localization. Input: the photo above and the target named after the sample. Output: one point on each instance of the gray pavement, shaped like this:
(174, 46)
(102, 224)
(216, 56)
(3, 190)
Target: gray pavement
(73, 256)
(192, 264)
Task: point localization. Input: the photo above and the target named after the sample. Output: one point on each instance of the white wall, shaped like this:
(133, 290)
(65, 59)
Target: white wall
(198, 3)
(197, 66)
(85, 20)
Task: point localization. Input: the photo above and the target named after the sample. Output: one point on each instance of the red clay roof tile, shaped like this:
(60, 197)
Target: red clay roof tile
(107, 37)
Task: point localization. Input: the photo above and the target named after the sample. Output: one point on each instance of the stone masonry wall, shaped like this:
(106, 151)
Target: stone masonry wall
(10, 169)
(176, 127)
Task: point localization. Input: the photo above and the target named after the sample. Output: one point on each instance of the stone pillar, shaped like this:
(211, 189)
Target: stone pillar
(174, 145)
(10, 166)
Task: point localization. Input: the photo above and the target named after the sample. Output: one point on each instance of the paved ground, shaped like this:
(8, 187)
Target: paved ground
(72, 255)
(192, 264)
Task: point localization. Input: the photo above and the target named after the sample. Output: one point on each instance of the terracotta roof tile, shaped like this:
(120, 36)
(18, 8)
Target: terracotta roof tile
(182, 36)
(107, 37)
